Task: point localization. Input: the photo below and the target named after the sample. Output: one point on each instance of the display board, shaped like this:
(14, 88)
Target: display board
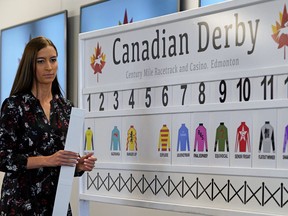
(188, 112)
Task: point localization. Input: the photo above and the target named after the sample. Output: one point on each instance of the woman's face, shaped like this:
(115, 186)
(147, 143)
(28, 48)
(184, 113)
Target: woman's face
(46, 65)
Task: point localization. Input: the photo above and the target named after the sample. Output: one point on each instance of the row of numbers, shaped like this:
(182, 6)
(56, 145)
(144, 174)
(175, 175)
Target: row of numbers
(240, 90)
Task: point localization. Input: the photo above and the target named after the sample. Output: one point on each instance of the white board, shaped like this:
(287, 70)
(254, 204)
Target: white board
(222, 65)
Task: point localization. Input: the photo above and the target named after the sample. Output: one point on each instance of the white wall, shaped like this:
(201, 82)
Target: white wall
(13, 12)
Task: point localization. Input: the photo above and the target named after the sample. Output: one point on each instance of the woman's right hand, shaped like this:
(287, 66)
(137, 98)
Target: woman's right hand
(63, 158)
(59, 158)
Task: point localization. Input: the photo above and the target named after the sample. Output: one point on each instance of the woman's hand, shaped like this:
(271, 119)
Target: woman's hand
(86, 163)
(59, 158)
(64, 158)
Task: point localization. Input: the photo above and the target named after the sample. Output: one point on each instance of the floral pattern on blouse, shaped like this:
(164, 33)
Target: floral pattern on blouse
(24, 132)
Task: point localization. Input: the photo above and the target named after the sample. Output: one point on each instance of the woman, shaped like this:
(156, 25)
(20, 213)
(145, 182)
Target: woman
(33, 126)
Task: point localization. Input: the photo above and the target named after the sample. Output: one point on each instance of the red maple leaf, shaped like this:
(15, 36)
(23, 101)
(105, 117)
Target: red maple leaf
(97, 61)
(280, 31)
(125, 21)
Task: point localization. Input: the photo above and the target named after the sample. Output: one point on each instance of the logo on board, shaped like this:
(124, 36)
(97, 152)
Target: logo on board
(280, 31)
(98, 61)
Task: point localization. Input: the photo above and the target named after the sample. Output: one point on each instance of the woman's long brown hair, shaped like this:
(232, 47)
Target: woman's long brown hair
(26, 71)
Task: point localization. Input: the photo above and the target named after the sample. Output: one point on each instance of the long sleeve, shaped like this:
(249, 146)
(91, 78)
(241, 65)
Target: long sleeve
(205, 139)
(188, 142)
(227, 141)
(12, 156)
(261, 139)
(168, 141)
(159, 141)
(118, 141)
(195, 140)
(111, 142)
(285, 139)
(178, 140)
(248, 140)
(273, 141)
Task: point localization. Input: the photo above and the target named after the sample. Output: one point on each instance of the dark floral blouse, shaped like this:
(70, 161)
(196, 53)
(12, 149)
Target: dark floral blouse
(25, 131)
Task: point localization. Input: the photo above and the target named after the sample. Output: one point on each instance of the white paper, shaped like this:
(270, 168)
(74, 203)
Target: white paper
(73, 140)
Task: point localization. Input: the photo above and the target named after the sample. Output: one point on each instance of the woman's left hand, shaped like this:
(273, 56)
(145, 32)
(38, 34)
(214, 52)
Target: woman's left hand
(86, 163)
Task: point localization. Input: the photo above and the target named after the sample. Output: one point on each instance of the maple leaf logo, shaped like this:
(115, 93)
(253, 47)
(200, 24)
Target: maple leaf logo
(97, 61)
(125, 20)
(280, 31)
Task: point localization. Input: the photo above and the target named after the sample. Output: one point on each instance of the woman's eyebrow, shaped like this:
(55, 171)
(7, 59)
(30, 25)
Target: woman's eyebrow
(42, 57)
